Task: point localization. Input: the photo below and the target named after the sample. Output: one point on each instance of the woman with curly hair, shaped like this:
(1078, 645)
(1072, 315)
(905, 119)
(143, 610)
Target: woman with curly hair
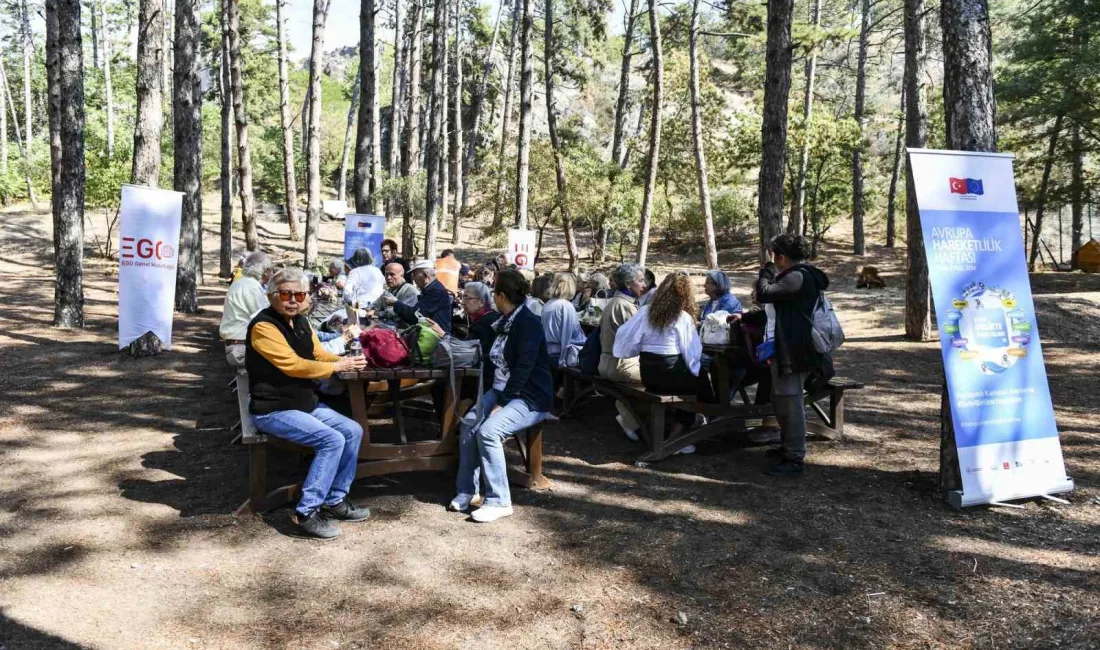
(663, 335)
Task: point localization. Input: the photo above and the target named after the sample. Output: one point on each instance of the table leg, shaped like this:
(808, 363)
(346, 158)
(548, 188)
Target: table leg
(450, 415)
(836, 411)
(257, 476)
(398, 416)
(656, 428)
(357, 391)
(719, 365)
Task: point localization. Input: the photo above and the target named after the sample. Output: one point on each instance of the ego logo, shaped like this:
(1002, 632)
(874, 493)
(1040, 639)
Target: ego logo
(146, 249)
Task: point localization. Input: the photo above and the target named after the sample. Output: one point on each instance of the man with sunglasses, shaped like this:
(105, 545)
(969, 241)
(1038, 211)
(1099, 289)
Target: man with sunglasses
(284, 361)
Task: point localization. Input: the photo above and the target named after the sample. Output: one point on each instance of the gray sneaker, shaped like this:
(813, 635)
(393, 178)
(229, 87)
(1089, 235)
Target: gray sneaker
(314, 525)
(345, 511)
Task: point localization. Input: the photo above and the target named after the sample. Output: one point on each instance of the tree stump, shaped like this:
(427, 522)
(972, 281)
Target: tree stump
(147, 345)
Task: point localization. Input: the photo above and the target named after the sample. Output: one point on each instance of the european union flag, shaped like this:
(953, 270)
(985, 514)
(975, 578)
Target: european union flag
(974, 186)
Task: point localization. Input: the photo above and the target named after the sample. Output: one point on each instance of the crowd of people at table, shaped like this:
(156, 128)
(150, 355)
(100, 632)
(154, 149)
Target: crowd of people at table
(290, 330)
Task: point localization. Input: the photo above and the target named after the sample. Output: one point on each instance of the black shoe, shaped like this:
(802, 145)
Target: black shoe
(787, 468)
(314, 525)
(345, 511)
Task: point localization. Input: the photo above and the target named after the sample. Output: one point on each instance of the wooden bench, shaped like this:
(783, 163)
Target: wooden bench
(372, 393)
(651, 410)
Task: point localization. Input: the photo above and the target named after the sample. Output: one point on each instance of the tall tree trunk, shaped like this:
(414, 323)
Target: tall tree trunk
(618, 156)
(397, 95)
(969, 113)
(166, 61)
(375, 203)
(149, 120)
(240, 115)
(654, 133)
(432, 154)
(108, 87)
(476, 108)
(860, 118)
(1077, 197)
(549, 47)
(95, 34)
(290, 186)
(313, 135)
(506, 116)
(365, 141)
(410, 158)
(794, 223)
(523, 156)
(4, 128)
(5, 91)
(456, 140)
(918, 298)
(69, 197)
(225, 251)
(445, 125)
(777, 86)
(28, 56)
(969, 109)
(697, 137)
(891, 202)
(53, 111)
(187, 166)
(349, 131)
(1044, 186)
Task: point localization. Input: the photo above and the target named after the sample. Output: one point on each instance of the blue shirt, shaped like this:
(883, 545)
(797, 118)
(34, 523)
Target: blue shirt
(727, 302)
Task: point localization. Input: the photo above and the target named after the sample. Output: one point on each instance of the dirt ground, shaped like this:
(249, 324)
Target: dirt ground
(119, 483)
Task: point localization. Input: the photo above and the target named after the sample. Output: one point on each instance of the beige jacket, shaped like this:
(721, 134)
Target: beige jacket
(619, 310)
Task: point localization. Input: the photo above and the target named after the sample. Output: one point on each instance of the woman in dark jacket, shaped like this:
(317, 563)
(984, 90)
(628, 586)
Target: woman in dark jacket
(789, 289)
(521, 396)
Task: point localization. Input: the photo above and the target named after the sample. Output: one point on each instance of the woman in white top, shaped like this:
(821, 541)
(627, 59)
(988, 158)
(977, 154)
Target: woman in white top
(664, 338)
(560, 323)
(364, 282)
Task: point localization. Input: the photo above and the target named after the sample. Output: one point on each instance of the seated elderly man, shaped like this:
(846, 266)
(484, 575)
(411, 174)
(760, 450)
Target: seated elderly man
(397, 287)
(244, 300)
(435, 301)
(284, 360)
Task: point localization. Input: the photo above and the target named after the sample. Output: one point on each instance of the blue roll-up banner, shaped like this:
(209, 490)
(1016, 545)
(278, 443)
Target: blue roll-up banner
(996, 381)
(364, 231)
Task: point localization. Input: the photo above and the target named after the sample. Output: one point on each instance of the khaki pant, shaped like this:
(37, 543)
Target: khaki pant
(234, 354)
(627, 371)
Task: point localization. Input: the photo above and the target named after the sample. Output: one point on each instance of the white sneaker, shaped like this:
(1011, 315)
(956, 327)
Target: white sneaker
(461, 503)
(688, 449)
(485, 514)
(630, 433)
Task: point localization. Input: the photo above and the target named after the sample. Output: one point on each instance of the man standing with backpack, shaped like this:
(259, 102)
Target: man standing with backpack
(790, 288)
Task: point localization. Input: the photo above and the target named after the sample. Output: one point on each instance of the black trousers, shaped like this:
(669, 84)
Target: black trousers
(670, 375)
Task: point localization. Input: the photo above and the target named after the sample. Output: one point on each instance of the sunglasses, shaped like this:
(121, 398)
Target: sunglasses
(299, 296)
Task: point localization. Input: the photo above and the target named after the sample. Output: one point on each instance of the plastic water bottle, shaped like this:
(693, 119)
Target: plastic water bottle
(354, 348)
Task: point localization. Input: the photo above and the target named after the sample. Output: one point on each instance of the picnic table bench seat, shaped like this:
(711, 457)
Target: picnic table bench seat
(650, 410)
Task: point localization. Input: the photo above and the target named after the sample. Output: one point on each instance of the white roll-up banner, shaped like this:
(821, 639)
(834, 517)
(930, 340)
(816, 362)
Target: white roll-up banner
(149, 235)
(521, 248)
(1003, 418)
(364, 231)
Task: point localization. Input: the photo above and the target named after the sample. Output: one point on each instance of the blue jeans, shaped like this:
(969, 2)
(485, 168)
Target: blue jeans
(334, 439)
(481, 448)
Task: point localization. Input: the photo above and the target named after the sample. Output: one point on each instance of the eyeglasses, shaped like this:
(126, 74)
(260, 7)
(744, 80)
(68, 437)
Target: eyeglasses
(284, 295)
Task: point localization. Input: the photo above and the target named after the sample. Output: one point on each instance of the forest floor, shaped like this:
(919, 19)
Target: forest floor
(119, 483)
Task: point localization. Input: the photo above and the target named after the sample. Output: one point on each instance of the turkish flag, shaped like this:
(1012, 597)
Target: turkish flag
(958, 186)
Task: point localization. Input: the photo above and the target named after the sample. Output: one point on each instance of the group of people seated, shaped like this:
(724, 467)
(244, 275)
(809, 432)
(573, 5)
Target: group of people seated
(527, 325)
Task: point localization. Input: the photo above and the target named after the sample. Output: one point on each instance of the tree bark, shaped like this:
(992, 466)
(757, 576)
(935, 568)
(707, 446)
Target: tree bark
(697, 137)
(410, 162)
(95, 34)
(366, 141)
(313, 134)
(166, 61)
(240, 114)
(891, 203)
(654, 133)
(456, 140)
(108, 87)
(432, 154)
(445, 125)
(53, 111)
(1044, 186)
(794, 223)
(290, 187)
(149, 118)
(28, 56)
(225, 251)
(858, 245)
(69, 198)
(523, 155)
(549, 47)
(777, 86)
(375, 203)
(918, 298)
(1077, 196)
(506, 116)
(187, 166)
(349, 132)
(969, 108)
(397, 95)
(4, 129)
(476, 109)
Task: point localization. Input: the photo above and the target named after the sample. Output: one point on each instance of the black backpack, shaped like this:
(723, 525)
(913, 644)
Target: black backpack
(590, 354)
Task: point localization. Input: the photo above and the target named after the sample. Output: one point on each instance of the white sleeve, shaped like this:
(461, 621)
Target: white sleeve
(690, 343)
(255, 302)
(349, 287)
(628, 338)
(374, 285)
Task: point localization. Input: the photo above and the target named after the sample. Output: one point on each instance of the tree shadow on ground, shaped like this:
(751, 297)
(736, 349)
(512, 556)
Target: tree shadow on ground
(16, 636)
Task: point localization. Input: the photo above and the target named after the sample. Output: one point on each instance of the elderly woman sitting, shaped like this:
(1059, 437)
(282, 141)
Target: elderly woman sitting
(521, 397)
(559, 320)
(597, 286)
(284, 360)
(717, 287)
